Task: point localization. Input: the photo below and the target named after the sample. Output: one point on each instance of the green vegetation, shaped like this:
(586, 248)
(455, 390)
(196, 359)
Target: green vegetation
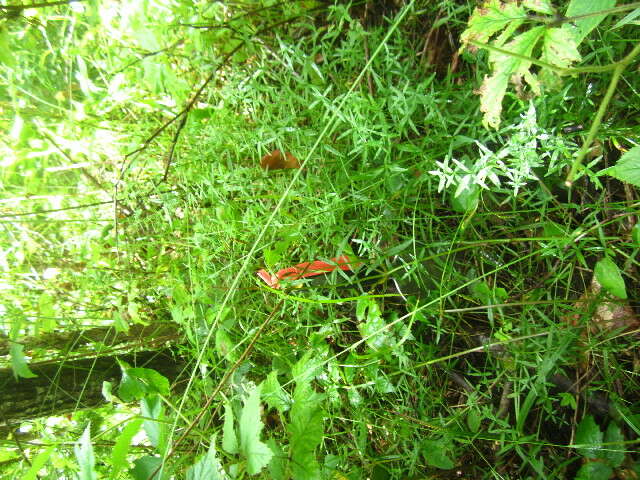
(478, 166)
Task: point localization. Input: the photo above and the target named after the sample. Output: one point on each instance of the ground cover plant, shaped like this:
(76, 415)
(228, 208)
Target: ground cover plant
(177, 173)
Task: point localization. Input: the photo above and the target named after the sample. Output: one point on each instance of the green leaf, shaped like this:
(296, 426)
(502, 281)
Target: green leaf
(273, 394)
(37, 464)
(18, 362)
(208, 467)
(474, 419)
(278, 463)
(614, 445)
(435, 454)
(627, 169)
(140, 382)
(257, 453)
(589, 436)
(583, 26)
(84, 454)
(6, 55)
(229, 439)
(635, 235)
(539, 6)
(466, 199)
(121, 446)
(305, 431)
(608, 275)
(594, 471)
(156, 429)
(147, 468)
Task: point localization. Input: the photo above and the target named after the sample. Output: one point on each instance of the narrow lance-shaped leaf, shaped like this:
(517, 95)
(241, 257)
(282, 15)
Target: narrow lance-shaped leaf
(84, 454)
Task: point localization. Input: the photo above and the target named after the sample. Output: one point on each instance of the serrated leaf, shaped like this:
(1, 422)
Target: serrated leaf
(229, 438)
(559, 47)
(435, 454)
(208, 467)
(305, 432)
(257, 453)
(18, 362)
(506, 67)
(539, 6)
(84, 454)
(156, 430)
(608, 275)
(589, 436)
(583, 26)
(614, 445)
(121, 446)
(147, 468)
(278, 463)
(627, 169)
(273, 394)
(491, 18)
(594, 471)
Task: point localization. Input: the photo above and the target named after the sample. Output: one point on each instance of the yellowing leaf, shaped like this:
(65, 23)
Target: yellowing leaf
(257, 453)
(506, 67)
(491, 18)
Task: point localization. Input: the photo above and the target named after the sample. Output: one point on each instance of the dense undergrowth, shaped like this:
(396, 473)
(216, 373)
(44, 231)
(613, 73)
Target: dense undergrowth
(469, 340)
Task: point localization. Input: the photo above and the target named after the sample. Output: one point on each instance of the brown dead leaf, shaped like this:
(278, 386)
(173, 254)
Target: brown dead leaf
(276, 160)
(609, 313)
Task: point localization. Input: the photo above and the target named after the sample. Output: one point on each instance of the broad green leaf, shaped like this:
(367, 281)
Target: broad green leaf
(6, 55)
(229, 438)
(121, 447)
(614, 445)
(257, 453)
(466, 199)
(278, 463)
(539, 6)
(38, 463)
(627, 169)
(474, 419)
(594, 471)
(583, 26)
(84, 454)
(18, 362)
(435, 454)
(273, 394)
(608, 275)
(140, 382)
(208, 467)
(156, 429)
(225, 347)
(305, 432)
(589, 437)
(46, 312)
(147, 468)
(305, 368)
